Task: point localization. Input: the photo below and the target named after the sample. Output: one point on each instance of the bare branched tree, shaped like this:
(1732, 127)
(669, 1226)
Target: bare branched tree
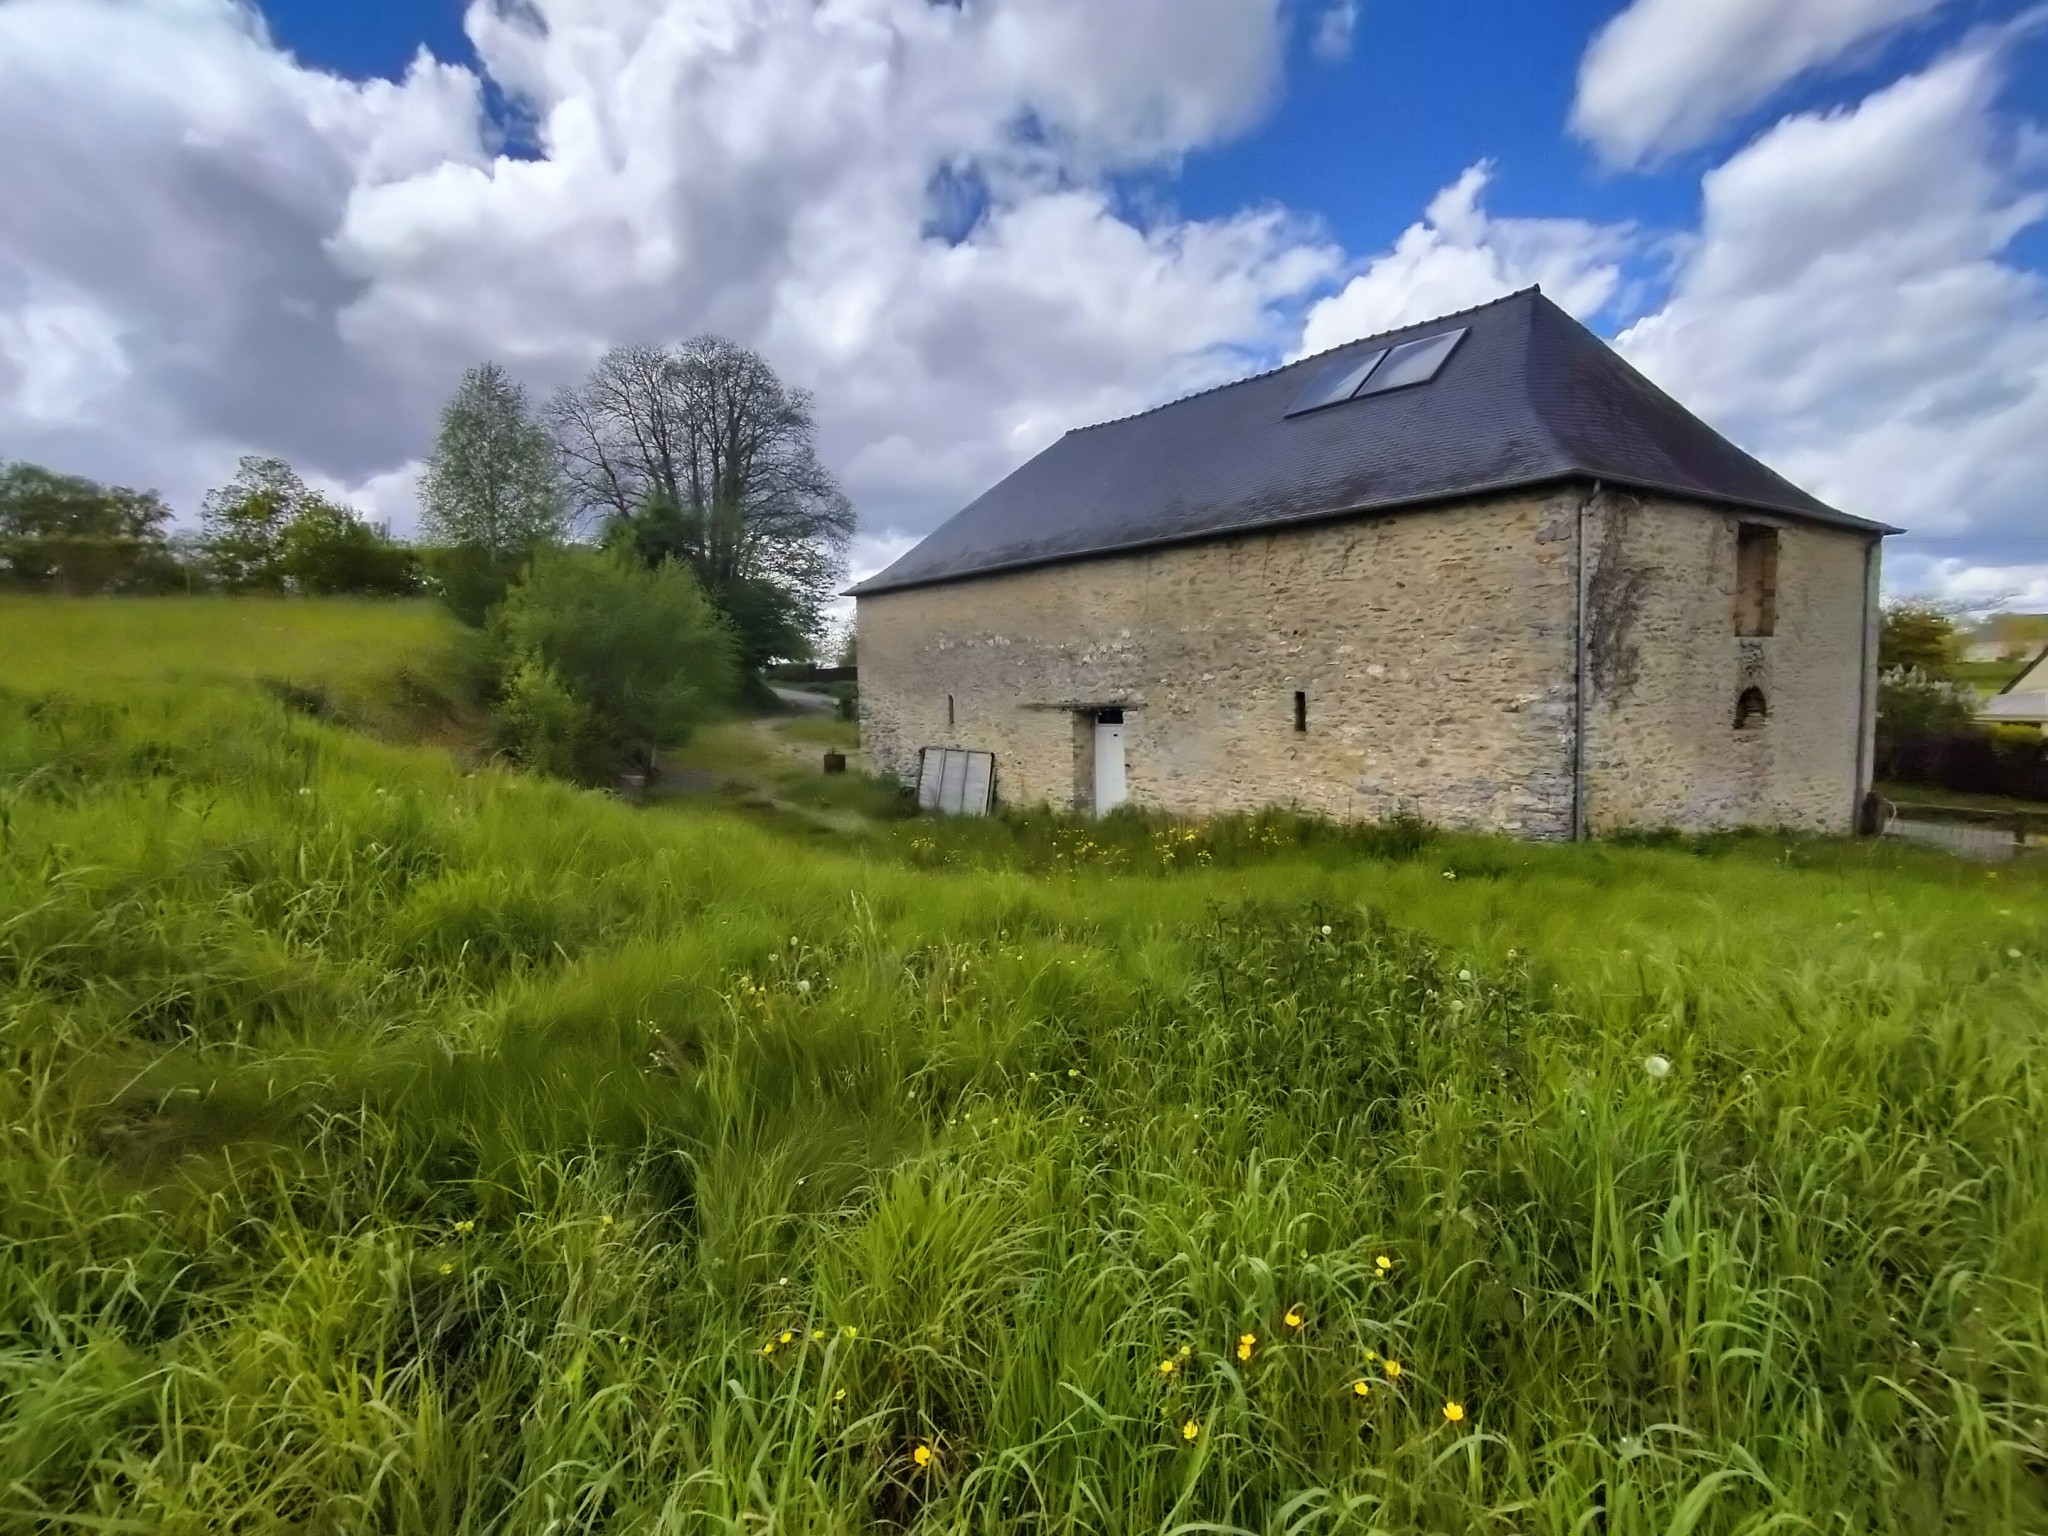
(704, 454)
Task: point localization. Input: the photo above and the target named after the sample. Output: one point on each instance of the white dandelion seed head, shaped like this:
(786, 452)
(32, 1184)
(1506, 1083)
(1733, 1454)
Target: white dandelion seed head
(1657, 1066)
(1464, 975)
(1326, 930)
(2012, 954)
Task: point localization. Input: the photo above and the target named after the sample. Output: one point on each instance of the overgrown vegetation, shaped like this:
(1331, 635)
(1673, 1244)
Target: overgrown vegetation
(1928, 732)
(393, 1149)
(599, 662)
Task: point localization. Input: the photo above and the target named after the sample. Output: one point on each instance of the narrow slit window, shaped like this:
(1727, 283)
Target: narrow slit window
(949, 710)
(1756, 580)
(1300, 710)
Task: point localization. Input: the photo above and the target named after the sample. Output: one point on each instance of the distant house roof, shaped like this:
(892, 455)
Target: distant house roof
(1527, 396)
(2033, 678)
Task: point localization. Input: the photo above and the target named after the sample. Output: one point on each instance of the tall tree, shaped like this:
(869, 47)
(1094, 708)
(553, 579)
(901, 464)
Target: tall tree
(701, 454)
(266, 530)
(1919, 634)
(243, 523)
(494, 482)
(76, 535)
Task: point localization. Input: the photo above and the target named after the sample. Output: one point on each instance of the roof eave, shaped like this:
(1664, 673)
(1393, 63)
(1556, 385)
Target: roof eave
(1826, 516)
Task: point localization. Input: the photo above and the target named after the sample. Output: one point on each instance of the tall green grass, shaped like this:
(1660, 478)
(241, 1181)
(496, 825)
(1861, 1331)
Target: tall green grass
(394, 1149)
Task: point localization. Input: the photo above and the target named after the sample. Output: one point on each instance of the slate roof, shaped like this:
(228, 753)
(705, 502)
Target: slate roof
(1529, 397)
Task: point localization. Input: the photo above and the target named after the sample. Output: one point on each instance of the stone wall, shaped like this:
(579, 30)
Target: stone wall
(1439, 655)
(1667, 669)
(1434, 648)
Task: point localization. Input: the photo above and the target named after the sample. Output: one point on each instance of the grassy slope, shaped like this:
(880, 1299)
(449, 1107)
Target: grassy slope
(285, 1010)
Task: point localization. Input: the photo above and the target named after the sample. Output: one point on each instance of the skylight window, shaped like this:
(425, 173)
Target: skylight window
(1412, 362)
(1337, 382)
(1376, 372)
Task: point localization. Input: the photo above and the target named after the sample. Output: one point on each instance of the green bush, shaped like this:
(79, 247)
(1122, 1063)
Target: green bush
(542, 725)
(641, 652)
(326, 550)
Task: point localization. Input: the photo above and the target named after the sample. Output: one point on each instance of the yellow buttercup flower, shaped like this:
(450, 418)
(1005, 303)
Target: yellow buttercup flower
(447, 1269)
(839, 1396)
(768, 1348)
(1168, 1366)
(1186, 1350)
(605, 1220)
(1294, 1317)
(817, 1334)
(1191, 1431)
(787, 1337)
(1454, 1413)
(849, 1332)
(1383, 1263)
(1361, 1388)
(1392, 1368)
(922, 1455)
(1246, 1342)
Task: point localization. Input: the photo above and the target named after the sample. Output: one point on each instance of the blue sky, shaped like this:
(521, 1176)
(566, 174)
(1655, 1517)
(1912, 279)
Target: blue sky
(1364, 141)
(1820, 223)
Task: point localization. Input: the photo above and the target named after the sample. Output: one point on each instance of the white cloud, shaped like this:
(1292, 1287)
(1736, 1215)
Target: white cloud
(58, 356)
(1848, 312)
(1460, 255)
(1336, 30)
(1666, 75)
(2012, 588)
(250, 254)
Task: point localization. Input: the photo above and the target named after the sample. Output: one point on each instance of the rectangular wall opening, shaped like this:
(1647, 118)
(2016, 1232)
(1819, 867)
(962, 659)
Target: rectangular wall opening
(1300, 710)
(949, 711)
(1111, 787)
(1756, 580)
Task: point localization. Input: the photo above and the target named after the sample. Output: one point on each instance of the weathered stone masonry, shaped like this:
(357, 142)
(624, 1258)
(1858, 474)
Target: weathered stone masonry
(1443, 654)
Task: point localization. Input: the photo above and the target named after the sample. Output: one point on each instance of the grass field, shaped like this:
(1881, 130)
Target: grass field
(395, 1148)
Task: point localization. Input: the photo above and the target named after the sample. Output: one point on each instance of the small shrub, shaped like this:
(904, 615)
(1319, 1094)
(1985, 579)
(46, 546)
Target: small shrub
(540, 725)
(641, 652)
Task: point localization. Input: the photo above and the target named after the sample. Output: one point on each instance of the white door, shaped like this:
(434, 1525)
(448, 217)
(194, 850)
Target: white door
(1109, 761)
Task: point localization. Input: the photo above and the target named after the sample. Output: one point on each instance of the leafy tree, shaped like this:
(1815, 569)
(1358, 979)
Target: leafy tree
(492, 492)
(703, 455)
(76, 535)
(268, 531)
(640, 651)
(242, 523)
(327, 548)
(1919, 635)
(770, 622)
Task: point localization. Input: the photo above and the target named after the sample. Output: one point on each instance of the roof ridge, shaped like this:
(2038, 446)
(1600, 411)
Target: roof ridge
(1253, 378)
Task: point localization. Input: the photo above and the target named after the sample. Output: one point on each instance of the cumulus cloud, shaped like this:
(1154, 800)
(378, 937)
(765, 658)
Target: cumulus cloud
(232, 251)
(1666, 75)
(1459, 255)
(1849, 310)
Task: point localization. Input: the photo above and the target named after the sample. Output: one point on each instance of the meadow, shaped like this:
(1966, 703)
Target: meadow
(398, 1144)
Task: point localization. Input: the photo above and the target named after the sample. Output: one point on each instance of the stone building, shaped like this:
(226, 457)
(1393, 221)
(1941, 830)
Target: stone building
(1479, 570)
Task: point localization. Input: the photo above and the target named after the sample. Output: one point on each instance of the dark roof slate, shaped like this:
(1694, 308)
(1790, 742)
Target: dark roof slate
(1530, 396)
